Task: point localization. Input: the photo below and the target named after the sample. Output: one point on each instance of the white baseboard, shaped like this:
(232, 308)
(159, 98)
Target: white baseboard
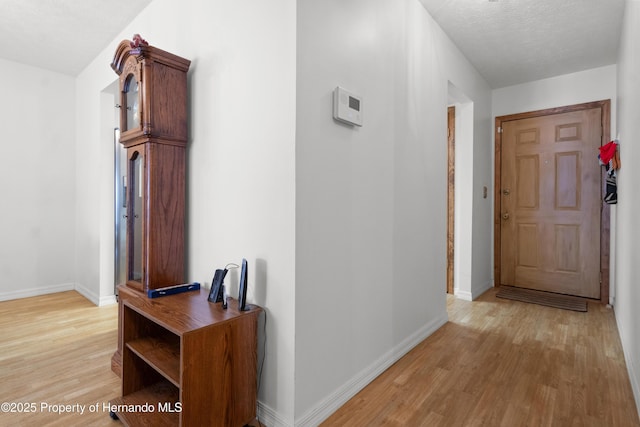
(268, 417)
(334, 401)
(631, 369)
(95, 298)
(44, 290)
(108, 300)
(465, 295)
(474, 293)
(34, 292)
(88, 294)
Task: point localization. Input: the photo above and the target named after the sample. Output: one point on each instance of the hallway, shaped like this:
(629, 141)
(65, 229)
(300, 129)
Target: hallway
(504, 363)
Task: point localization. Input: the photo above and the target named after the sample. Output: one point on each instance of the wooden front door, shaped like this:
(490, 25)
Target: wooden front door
(550, 203)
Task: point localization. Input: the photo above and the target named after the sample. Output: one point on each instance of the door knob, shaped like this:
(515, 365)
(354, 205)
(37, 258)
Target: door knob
(505, 215)
(506, 191)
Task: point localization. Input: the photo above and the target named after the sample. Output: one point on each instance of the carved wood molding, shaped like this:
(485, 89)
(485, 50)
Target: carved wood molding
(124, 51)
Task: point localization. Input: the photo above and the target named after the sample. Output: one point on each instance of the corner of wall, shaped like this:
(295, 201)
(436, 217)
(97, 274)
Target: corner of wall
(87, 293)
(481, 289)
(463, 295)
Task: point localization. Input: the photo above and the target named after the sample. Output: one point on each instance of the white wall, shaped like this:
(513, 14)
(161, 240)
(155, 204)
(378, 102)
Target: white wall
(371, 201)
(37, 171)
(585, 86)
(241, 166)
(474, 153)
(628, 240)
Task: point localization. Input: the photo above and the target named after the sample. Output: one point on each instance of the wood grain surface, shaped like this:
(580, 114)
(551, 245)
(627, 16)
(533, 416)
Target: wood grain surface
(504, 363)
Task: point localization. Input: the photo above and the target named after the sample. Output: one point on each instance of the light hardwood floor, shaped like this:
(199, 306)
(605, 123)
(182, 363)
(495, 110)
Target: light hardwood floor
(56, 350)
(504, 363)
(496, 363)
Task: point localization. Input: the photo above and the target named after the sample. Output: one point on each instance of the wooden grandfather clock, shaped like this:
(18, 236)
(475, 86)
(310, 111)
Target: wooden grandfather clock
(153, 129)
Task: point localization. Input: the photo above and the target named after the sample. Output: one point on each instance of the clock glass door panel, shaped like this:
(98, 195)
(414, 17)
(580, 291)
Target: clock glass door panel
(120, 213)
(132, 103)
(135, 216)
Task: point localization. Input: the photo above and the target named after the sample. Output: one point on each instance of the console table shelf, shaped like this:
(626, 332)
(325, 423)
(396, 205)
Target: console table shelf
(160, 355)
(163, 392)
(192, 361)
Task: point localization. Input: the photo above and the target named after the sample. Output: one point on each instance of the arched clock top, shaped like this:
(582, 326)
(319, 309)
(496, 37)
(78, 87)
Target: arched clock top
(141, 50)
(123, 52)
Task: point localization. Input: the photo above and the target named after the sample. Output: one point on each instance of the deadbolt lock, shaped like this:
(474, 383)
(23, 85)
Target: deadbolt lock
(505, 215)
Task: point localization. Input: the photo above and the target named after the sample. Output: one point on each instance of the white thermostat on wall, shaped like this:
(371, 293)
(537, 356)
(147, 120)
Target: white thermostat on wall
(347, 107)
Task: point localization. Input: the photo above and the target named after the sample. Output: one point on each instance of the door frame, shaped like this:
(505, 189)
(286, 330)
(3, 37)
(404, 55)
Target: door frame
(451, 138)
(605, 224)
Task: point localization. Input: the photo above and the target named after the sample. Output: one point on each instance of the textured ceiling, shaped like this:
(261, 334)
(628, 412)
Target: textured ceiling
(62, 35)
(508, 41)
(516, 41)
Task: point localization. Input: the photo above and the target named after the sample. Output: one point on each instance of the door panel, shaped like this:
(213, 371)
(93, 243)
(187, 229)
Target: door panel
(550, 181)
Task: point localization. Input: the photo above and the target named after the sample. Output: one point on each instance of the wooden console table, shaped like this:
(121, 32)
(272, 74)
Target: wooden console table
(186, 361)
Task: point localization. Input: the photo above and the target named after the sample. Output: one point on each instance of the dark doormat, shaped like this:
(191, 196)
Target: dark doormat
(548, 299)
